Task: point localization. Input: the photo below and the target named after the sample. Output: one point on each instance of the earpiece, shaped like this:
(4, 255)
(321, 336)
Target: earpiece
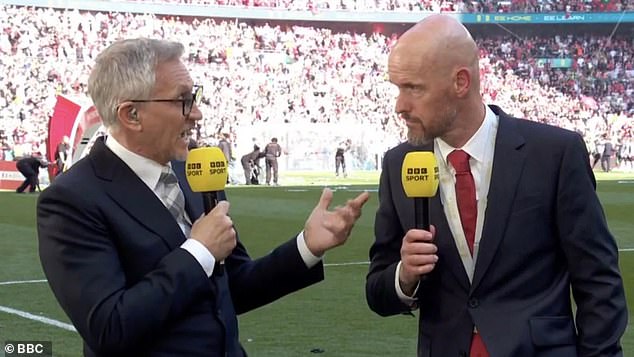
(133, 114)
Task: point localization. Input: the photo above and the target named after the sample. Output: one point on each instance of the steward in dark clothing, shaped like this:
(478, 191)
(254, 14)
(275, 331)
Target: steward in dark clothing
(251, 165)
(29, 167)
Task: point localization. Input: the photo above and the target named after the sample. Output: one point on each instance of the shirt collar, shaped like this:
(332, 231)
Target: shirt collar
(148, 170)
(477, 144)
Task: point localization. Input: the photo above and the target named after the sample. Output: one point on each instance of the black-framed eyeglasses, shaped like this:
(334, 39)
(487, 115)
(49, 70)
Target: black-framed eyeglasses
(188, 101)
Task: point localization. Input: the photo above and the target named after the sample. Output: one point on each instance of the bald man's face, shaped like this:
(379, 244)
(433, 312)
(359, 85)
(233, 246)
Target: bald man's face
(425, 100)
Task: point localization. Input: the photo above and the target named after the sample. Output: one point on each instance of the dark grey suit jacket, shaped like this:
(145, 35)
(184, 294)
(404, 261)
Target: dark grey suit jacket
(544, 234)
(110, 251)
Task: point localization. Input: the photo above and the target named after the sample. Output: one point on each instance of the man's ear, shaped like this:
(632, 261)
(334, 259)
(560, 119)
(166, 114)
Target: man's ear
(463, 82)
(128, 116)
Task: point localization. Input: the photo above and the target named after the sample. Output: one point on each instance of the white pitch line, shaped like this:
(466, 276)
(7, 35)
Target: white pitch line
(69, 327)
(326, 265)
(22, 282)
(344, 264)
(44, 320)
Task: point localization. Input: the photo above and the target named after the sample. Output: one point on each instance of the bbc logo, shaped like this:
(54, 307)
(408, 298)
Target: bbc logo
(28, 348)
(417, 171)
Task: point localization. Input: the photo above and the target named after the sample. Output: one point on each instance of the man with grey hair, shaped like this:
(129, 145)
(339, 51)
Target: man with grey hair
(123, 240)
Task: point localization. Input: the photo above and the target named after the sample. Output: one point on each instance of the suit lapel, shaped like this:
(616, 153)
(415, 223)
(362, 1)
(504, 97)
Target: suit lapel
(508, 163)
(133, 196)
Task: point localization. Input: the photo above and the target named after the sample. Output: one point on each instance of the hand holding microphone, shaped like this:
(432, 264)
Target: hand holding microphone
(215, 231)
(418, 253)
(206, 172)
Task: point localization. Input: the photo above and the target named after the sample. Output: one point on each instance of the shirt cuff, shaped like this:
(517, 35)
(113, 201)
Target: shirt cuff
(410, 301)
(202, 255)
(309, 258)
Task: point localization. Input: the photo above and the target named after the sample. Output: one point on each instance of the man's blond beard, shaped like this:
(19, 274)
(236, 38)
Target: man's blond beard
(417, 140)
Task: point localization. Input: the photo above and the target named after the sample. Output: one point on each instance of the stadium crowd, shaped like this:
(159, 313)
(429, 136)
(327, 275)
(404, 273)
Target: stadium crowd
(302, 75)
(457, 6)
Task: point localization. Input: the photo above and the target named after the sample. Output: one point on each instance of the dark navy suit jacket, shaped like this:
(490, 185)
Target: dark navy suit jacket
(544, 233)
(110, 251)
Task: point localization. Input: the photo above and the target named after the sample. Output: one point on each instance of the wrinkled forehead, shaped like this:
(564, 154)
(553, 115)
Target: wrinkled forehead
(172, 77)
(409, 57)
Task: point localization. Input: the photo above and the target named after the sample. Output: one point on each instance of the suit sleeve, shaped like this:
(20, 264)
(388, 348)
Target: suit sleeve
(254, 283)
(592, 257)
(81, 261)
(385, 253)
(257, 282)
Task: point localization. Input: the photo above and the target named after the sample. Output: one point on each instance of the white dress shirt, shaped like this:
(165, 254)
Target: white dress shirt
(481, 149)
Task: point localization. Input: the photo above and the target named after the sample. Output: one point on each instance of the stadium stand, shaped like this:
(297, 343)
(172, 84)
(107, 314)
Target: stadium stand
(255, 73)
(504, 6)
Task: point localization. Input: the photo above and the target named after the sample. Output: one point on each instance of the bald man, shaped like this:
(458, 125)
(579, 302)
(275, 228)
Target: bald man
(516, 224)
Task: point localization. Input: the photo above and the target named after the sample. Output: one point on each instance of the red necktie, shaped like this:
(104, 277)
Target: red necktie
(465, 194)
(468, 209)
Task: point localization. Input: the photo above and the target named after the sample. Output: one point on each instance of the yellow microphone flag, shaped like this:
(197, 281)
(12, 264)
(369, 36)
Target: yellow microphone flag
(420, 174)
(206, 169)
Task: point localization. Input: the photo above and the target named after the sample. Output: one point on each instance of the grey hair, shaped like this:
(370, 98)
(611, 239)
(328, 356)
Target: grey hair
(126, 70)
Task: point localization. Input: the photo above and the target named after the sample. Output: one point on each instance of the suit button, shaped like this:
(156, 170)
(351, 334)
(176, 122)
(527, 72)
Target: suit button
(462, 354)
(473, 303)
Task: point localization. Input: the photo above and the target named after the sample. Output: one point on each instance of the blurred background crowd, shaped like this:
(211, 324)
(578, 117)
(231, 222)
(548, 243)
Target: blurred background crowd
(256, 73)
(459, 6)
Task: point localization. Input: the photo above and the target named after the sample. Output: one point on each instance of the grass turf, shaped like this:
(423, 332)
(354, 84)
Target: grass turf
(327, 319)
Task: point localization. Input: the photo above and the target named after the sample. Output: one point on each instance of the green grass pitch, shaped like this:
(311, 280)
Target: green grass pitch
(327, 319)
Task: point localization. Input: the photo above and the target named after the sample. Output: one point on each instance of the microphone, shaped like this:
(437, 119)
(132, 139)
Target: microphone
(420, 181)
(206, 172)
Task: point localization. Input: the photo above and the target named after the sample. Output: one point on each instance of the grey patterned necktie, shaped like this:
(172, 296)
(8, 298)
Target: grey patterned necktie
(173, 197)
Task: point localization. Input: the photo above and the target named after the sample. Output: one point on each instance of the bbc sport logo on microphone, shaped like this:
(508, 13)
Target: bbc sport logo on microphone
(206, 169)
(420, 174)
(215, 168)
